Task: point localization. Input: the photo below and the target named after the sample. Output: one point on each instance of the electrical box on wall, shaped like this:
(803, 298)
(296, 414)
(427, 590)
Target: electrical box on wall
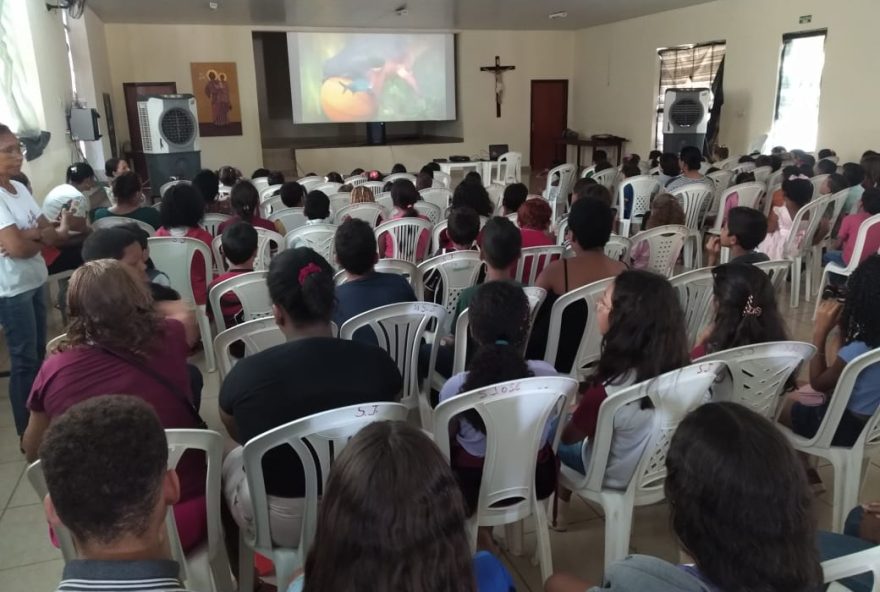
(83, 124)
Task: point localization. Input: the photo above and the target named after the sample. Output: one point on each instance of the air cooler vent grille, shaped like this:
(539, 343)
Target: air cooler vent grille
(686, 112)
(177, 126)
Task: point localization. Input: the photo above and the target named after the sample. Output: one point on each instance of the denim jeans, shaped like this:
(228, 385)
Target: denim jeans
(24, 323)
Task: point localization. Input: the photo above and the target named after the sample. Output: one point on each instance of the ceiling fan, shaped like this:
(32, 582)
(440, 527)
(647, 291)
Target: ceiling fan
(74, 8)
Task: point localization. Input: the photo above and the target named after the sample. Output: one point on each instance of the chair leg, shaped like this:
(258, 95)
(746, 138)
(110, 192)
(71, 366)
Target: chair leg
(513, 537)
(618, 524)
(808, 280)
(847, 480)
(207, 339)
(542, 540)
(286, 565)
(245, 566)
(795, 282)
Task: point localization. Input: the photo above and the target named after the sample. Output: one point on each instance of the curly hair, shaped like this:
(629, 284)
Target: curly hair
(362, 194)
(535, 214)
(665, 209)
(737, 285)
(109, 307)
(860, 320)
(392, 518)
(723, 456)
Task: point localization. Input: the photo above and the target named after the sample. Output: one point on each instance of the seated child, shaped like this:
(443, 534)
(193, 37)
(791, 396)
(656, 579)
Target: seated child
(849, 230)
(515, 195)
(239, 246)
(665, 210)
(742, 233)
(797, 192)
(317, 210)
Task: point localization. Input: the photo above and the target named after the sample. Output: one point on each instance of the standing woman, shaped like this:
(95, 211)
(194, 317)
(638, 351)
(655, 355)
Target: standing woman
(24, 231)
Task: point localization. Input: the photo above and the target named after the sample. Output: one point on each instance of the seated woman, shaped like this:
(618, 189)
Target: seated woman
(643, 336)
(181, 212)
(118, 343)
(392, 518)
(589, 228)
(858, 324)
(717, 455)
(130, 201)
(499, 325)
(245, 202)
(746, 312)
(533, 219)
(665, 210)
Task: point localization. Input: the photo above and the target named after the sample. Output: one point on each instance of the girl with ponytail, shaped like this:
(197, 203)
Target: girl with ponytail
(404, 197)
(499, 324)
(745, 311)
(245, 202)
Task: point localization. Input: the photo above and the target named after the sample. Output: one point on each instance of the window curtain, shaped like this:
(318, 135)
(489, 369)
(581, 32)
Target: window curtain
(16, 110)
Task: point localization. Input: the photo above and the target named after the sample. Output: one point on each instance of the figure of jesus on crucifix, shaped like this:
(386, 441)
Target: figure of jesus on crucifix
(498, 70)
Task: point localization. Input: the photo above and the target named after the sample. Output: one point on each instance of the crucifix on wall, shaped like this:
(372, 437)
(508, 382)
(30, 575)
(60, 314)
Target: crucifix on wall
(498, 70)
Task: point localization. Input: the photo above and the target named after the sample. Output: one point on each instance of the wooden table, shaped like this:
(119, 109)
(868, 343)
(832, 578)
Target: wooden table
(593, 143)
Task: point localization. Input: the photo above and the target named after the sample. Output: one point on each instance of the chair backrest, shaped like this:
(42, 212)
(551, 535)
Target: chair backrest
(317, 440)
(111, 221)
(871, 433)
(557, 194)
(174, 256)
(368, 212)
(694, 199)
(607, 177)
(533, 260)
(674, 395)
(762, 173)
(695, 290)
(432, 212)
(309, 183)
(561, 231)
(408, 270)
(355, 180)
(265, 240)
(438, 196)
(257, 335)
(515, 414)
(291, 218)
(758, 374)
(836, 203)
(260, 183)
(269, 192)
(271, 204)
(408, 176)
(212, 221)
(399, 329)
(38, 481)
(384, 200)
(777, 270)
(861, 237)
(807, 218)
(327, 187)
(458, 271)
(774, 179)
(665, 244)
(509, 168)
(405, 235)
(644, 188)
(338, 201)
(318, 237)
(743, 167)
(854, 564)
(817, 182)
(618, 247)
(375, 186)
(591, 340)
(251, 291)
(437, 232)
(722, 179)
(748, 196)
(166, 186)
(443, 178)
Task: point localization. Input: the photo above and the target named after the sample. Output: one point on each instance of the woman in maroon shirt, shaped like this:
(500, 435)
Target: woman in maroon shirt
(117, 344)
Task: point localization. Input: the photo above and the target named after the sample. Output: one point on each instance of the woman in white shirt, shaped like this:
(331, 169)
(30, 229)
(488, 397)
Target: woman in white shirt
(24, 232)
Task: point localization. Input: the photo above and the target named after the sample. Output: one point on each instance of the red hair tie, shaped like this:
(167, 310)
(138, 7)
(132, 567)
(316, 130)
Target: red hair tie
(308, 270)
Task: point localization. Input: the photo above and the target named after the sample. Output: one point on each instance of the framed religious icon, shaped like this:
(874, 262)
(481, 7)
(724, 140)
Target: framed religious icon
(215, 86)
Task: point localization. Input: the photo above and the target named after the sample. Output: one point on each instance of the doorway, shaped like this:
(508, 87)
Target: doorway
(133, 92)
(549, 119)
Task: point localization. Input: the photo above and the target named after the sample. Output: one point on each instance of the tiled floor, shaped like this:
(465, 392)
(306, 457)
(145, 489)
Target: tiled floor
(28, 563)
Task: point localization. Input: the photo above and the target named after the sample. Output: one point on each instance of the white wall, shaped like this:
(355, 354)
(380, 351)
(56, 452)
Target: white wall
(155, 53)
(616, 69)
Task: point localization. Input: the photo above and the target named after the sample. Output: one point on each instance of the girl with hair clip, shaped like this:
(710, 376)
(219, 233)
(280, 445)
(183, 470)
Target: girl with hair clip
(404, 196)
(499, 324)
(643, 336)
(797, 192)
(245, 203)
(392, 519)
(746, 312)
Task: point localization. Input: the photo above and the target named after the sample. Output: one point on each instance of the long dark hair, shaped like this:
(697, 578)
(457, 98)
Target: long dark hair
(646, 332)
(860, 320)
(404, 196)
(746, 311)
(244, 199)
(392, 518)
(723, 456)
(498, 318)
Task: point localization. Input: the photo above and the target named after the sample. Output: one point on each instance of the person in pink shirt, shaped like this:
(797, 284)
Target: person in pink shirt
(181, 211)
(245, 202)
(849, 232)
(404, 197)
(533, 219)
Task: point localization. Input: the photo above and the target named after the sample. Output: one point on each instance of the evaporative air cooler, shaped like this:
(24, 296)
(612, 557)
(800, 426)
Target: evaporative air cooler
(170, 135)
(685, 118)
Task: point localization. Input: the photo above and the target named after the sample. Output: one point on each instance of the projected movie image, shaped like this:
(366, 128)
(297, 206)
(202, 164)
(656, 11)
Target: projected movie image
(344, 77)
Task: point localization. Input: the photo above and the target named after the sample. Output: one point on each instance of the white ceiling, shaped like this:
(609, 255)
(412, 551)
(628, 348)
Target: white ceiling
(423, 14)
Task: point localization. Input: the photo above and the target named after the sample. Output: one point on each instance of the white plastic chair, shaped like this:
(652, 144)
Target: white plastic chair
(867, 561)
(762, 174)
(338, 201)
(211, 222)
(590, 346)
(257, 335)
(432, 212)
(375, 186)
(440, 197)
(252, 292)
(175, 256)
(695, 290)
(166, 186)
(847, 462)
(509, 169)
(557, 195)
(37, 480)
(817, 182)
(664, 244)
(327, 187)
(758, 374)
(588, 171)
(408, 176)
(748, 196)
(291, 218)
(437, 233)
(405, 235)
(722, 180)
(265, 240)
(368, 212)
(384, 200)
(321, 436)
(318, 237)
(777, 270)
(644, 188)
(674, 395)
(112, 221)
(515, 414)
(743, 167)
(443, 179)
(855, 259)
(618, 247)
(695, 199)
(408, 270)
(399, 329)
(260, 183)
(607, 177)
(537, 259)
(833, 214)
(309, 183)
(355, 180)
(271, 204)
(269, 192)
(799, 247)
(458, 271)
